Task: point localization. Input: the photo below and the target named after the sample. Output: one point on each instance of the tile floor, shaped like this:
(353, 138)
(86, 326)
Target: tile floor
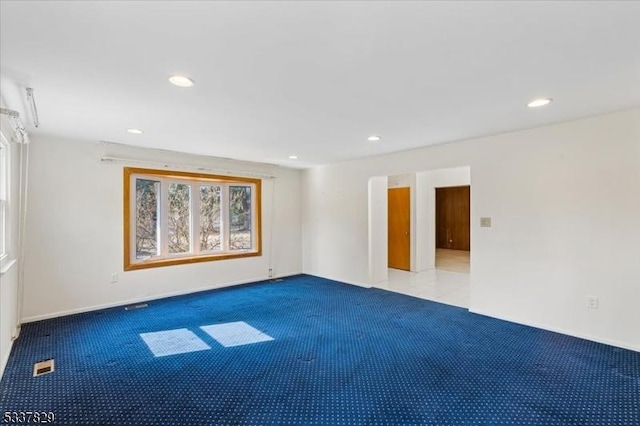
(439, 285)
(453, 260)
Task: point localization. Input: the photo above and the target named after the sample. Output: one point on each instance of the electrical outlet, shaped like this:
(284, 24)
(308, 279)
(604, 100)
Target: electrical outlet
(113, 278)
(270, 272)
(592, 302)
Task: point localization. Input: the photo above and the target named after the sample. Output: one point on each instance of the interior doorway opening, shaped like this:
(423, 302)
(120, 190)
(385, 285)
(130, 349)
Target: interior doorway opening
(453, 228)
(423, 278)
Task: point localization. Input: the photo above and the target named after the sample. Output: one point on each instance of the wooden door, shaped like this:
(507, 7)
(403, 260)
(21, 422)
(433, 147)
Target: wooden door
(453, 207)
(399, 237)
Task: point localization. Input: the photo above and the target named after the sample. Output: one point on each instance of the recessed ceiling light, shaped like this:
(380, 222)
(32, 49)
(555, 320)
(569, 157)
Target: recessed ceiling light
(135, 131)
(374, 138)
(293, 157)
(539, 102)
(181, 80)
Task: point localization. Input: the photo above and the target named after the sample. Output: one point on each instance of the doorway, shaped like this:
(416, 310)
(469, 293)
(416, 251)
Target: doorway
(399, 228)
(453, 228)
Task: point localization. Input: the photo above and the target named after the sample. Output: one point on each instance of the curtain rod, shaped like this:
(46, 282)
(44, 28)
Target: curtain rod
(109, 159)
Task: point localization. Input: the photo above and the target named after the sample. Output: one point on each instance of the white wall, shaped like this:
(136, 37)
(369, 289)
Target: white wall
(378, 229)
(565, 203)
(75, 231)
(401, 181)
(8, 312)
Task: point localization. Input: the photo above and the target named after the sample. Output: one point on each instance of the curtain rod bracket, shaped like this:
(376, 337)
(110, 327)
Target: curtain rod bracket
(34, 109)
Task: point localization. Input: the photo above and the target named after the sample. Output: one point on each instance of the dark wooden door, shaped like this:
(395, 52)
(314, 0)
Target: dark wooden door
(399, 217)
(453, 206)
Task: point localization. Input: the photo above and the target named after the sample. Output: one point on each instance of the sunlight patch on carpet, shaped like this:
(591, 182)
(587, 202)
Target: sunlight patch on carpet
(235, 334)
(172, 342)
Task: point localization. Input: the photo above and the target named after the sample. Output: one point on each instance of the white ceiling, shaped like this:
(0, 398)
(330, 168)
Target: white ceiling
(314, 78)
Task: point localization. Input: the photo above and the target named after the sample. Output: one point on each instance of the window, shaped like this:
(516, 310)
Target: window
(4, 196)
(173, 218)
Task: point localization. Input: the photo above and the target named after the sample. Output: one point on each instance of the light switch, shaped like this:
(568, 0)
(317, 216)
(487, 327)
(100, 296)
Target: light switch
(485, 222)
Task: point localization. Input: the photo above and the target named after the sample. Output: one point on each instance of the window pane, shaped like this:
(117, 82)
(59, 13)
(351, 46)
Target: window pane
(240, 216)
(147, 209)
(210, 218)
(179, 218)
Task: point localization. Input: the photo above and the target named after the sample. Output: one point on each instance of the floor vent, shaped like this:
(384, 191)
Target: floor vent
(43, 367)
(138, 306)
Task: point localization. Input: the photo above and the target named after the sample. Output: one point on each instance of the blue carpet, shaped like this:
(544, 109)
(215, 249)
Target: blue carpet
(341, 355)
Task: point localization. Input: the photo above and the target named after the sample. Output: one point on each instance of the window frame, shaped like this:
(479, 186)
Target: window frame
(5, 197)
(130, 175)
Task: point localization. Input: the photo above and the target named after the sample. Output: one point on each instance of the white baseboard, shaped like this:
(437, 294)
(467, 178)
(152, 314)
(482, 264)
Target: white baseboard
(148, 298)
(609, 342)
(340, 280)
